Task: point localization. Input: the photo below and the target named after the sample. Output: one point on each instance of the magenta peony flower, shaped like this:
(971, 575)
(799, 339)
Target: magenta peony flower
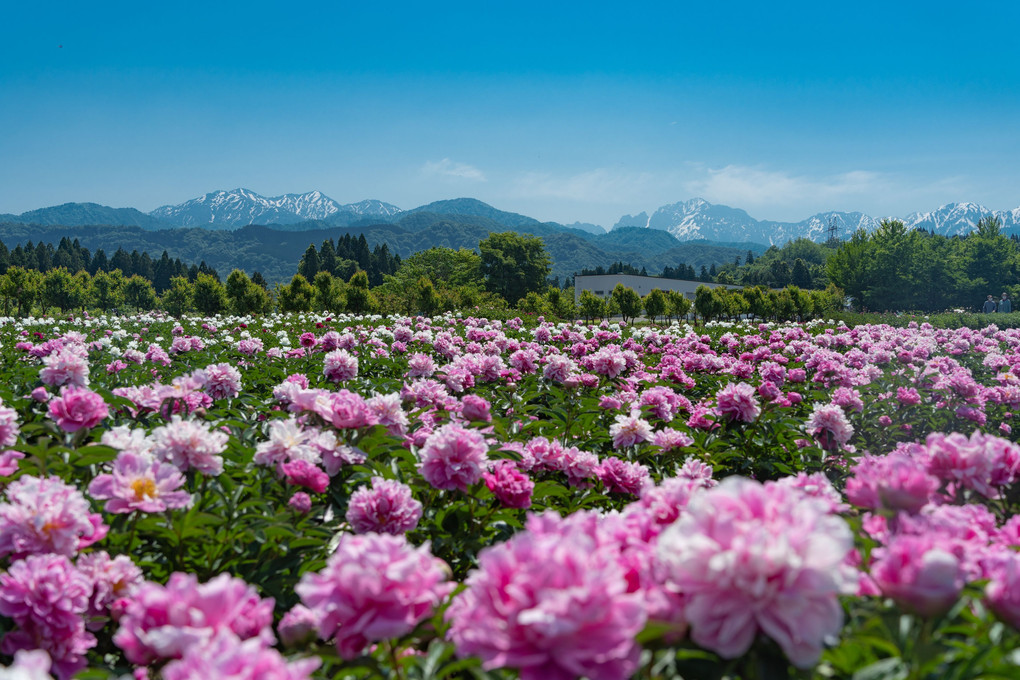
(512, 487)
(163, 622)
(347, 410)
(738, 402)
(190, 444)
(9, 462)
(754, 558)
(77, 408)
(302, 473)
(921, 575)
(387, 508)
(300, 502)
(9, 429)
(474, 407)
(1003, 590)
(551, 604)
(453, 457)
(621, 476)
(140, 482)
(46, 516)
(46, 597)
(225, 656)
(340, 365)
(980, 462)
(374, 587)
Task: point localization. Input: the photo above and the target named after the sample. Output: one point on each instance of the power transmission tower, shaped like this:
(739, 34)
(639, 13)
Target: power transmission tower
(833, 232)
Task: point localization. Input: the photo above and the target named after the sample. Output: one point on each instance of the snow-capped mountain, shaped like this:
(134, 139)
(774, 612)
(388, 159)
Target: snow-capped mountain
(240, 207)
(699, 219)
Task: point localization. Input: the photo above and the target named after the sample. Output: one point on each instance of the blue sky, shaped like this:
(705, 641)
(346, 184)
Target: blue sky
(562, 111)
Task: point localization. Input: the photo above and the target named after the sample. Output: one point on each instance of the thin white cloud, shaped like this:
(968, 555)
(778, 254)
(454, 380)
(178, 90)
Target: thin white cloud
(754, 187)
(595, 186)
(449, 169)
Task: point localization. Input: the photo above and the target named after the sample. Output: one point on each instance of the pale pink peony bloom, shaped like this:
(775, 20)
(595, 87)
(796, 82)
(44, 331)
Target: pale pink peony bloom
(222, 381)
(47, 597)
(512, 487)
(298, 626)
(347, 410)
(818, 486)
(46, 516)
(387, 410)
(629, 430)
(190, 444)
(69, 366)
(9, 462)
(340, 365)
(163, 622)
(896, 481)
(77, 408)
(559, 368)
(829, 426)
(140, 482)
(387, 507)
(669, 439)
(551, 604)
(1003, 590)
(226, 656)
(738, 402)
(754, 558)
(28, 665)
(453, 457)
(9, 429)
(981, 462)
(374, 587)
(919, 573)
(113, 580)
(420, 366)
(288, 440)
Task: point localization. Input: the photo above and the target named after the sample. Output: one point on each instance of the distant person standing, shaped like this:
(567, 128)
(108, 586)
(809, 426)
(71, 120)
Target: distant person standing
(1005, 304)
(989, 305)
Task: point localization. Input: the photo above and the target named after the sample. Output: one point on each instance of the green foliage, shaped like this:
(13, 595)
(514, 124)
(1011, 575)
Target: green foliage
(61, 289)
(108, 289)
(627, 301)
(296, 296)
(177, 299)
(655, 304)
(20, 288)
(359, 299)
(139, 293)
(513, 264)
(208, 295)
(592, 306)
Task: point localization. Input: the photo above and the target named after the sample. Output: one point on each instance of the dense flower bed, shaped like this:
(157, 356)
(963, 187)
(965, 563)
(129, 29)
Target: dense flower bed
(302, 496)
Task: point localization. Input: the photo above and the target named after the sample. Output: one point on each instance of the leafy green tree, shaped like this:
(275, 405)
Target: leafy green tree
(329, 293)
(655, 304)
(677, 305)
(177, 298)
(209, 295)
(309, 265)
(108, 289)
(60, 289)
(20, 288)
(592, 306)
(627, 301)
(359, 297)
(425, 296)
(514, 264)
(139, 293)
(707, 305)
(533, 303)
(297, 296)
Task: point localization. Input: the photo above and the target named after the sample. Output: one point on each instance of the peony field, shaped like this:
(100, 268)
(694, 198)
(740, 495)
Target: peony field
(302, 496)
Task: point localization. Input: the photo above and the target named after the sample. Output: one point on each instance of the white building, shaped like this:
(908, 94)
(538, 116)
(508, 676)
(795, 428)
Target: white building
(602, 285)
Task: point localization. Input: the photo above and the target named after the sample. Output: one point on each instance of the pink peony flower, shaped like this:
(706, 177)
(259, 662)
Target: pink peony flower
(919, 574)
(754, 558)
(29, 665)
(9, 462)
(387, 507)
(46, 516)
(113, 580)
(620, 476)
(298, 626)
(474, 407)
(77, 408)
(306, 474)
(551, 604)
(340, 365)
(347, 410)
(301, 502)
(225, 656)
(163, 622)
(222, 381)
(1003, 590)
(9, 429)
(140, 482)
(896, 481)
(980, 462)
(629, 430)
(47, 597)
(512, 487)
(190, 444)
(737, 402)
(374, 587)
(69, 366)
(453, 457)
(828, 424)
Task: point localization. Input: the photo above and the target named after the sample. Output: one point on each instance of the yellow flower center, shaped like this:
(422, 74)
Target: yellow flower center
(143, 488)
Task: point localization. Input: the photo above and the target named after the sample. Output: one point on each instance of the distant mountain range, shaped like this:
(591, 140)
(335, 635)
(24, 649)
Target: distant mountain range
(695, 219)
